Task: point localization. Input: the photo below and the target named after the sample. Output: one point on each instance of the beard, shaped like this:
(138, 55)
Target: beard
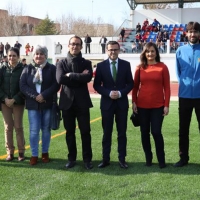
(194, 40)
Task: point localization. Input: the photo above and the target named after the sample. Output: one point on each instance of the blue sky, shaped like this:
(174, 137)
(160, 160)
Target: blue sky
(111, 11)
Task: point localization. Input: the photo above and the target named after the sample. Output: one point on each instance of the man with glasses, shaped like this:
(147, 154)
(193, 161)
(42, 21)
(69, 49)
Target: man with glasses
(114, 81)
(188, 72)
(74, 73)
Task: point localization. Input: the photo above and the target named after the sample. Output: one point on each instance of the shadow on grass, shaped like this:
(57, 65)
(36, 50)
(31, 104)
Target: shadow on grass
(112, 169)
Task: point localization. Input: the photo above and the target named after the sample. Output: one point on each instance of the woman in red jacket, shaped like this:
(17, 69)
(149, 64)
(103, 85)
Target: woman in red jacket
(150, 97)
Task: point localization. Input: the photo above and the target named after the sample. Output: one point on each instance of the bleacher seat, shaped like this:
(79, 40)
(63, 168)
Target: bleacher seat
(170, 29)
(178, 38)
(176, 25)
(176, 29)
(165, 26)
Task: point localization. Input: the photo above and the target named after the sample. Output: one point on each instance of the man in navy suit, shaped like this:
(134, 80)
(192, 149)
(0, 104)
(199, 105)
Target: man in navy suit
(114, 84)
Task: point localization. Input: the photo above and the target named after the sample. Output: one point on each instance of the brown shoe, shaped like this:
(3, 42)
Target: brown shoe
(33, 160)
(21, 157)
(10, 157)
(45, 158)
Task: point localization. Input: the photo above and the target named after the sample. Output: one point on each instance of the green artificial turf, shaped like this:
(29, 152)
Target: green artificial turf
(51, 181)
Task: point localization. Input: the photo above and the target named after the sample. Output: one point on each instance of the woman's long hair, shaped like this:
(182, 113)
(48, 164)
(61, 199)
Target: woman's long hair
(143, 59)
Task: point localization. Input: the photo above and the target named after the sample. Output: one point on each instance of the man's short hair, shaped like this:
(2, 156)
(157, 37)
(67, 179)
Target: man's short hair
(77, 37)
(193, 26)
(112, 43)
(23, 59)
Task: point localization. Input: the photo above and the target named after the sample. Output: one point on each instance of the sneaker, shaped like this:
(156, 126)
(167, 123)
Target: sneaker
(181, 163)
(21, 157)
(10, 157)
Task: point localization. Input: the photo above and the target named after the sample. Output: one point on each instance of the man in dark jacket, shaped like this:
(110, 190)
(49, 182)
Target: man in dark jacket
(73, 73)
(87, 41)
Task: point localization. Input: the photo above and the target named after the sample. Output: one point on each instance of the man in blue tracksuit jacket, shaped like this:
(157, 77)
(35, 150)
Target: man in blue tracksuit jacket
(188, 72)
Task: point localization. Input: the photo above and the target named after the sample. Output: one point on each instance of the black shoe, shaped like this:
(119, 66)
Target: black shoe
(88, 165)
(181, 163)
(162, 165)
(123, 164)
(148, 163)
(103, 164)
(70, 164)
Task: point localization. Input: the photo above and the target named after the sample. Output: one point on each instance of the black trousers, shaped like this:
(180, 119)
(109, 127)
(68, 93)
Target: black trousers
(151, 120)
(120, 117)
(186, 107)
(103, 47)
(69, 119)
(87, 46)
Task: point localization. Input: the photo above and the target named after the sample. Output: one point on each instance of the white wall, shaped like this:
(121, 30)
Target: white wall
(165, 16)
(134, 59)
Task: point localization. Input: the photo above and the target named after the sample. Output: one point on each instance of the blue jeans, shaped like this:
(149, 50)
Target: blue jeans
(39, 119)
(151, 120)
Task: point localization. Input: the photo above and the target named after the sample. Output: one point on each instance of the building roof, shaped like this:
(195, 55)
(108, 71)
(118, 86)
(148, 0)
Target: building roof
(133, 3)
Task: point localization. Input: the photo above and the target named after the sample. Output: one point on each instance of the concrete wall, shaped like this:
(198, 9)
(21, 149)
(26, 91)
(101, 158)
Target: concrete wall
(165, 16)
(50, 41)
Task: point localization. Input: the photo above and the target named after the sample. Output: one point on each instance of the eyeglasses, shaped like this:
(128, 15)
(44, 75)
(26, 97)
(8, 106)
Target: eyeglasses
(113, 50)
(195, 32)
(75, 44)
(12, 55)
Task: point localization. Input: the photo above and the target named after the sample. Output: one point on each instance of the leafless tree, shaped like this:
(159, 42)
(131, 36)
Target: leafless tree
(81, 26)
(12, 21)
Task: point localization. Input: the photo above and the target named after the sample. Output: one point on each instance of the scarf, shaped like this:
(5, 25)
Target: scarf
(37, 79)
(74, 62)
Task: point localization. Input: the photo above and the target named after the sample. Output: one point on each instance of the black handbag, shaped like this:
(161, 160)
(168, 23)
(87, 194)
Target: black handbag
(135, 119)
(55, 117)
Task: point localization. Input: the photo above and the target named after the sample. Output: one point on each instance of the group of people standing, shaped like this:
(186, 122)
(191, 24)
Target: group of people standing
(37, 85)
(102, 42)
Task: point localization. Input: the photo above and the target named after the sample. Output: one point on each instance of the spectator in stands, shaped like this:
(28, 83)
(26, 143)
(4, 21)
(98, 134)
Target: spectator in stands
(165, 37)
(150, 97)
(122, 33)
(87, 41)
(7, 47)
(149, 28)
(162, 29)
(162, 47)
(12, 104)
(145, 25)
(103, 41)
(143, 37)
(17, 45)
(138, 38)
(1, 50)
(134, 47)
(27, 48)
(146, 22)
(138, 28)
(173, 46)
(188, 73)
(156, 23)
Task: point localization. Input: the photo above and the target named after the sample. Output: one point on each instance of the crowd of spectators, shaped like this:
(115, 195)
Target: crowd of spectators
(160, 34)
